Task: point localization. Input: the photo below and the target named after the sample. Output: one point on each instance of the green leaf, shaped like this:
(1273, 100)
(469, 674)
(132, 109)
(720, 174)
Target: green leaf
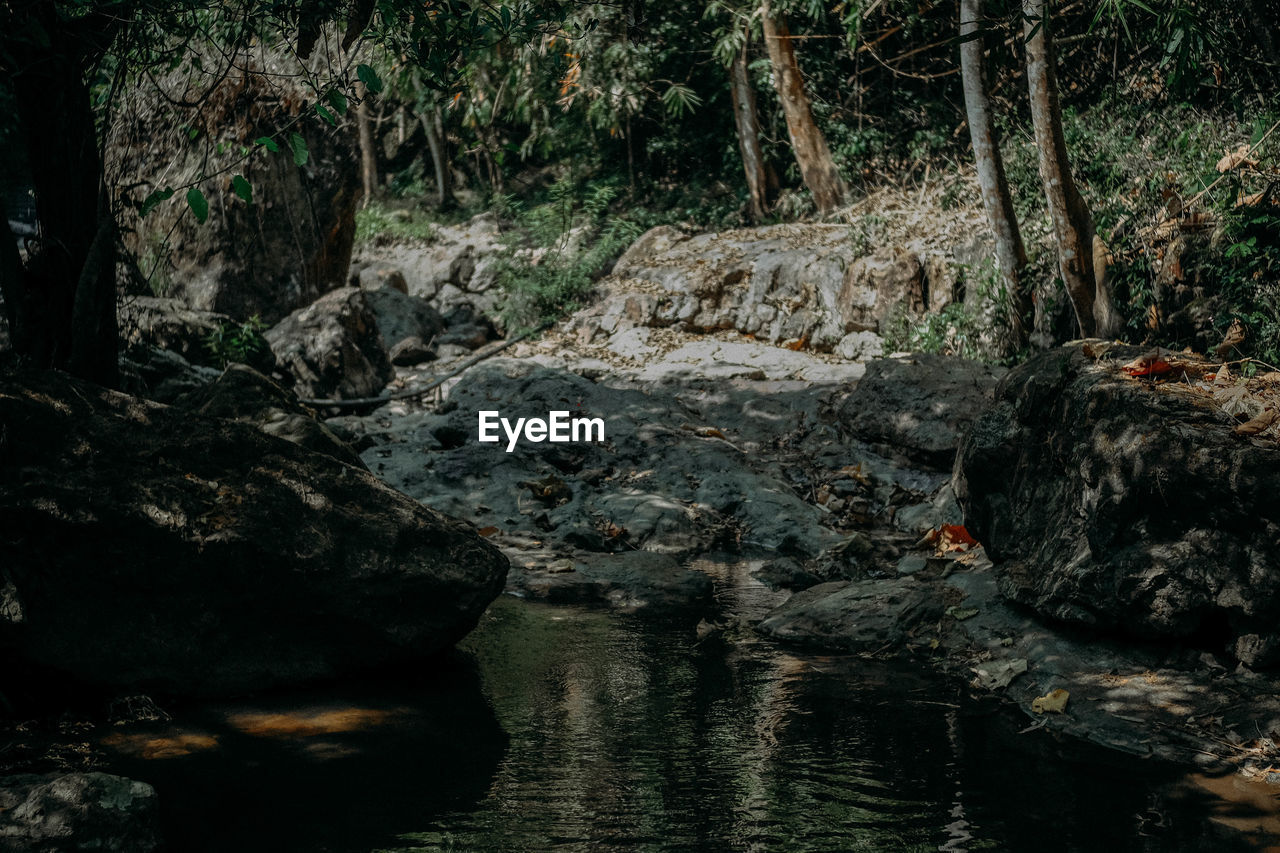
(152, 201)
(242, 188)
(299, 147)
(339, 101)
(369, 78)
(326, 115)
(198, 203)
(268, 143)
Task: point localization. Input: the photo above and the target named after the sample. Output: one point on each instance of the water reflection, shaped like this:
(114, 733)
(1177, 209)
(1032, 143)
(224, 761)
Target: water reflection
(583, 730)
(335, 769)
(634, 735)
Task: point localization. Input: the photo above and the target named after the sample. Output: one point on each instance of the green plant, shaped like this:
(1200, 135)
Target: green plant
(574, 241)
(238, 342)
(377, 224)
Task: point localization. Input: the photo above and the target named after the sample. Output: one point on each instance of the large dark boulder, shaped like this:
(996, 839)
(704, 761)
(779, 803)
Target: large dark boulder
(1106, 502)
(77, 812)
(267, 257)
(917, 407)
(243, 394)
(148, 548)
(333, 347)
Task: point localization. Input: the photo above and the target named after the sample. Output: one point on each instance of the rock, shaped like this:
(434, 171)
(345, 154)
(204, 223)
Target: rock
(472, 336)
(243, 394)
(651, 244)
(160, 374)
(860, 346)
(147, 548)
(880, 286)
(268, 258)
(333, 347)
(629, 581)
(1106, 503)
(910, 564)
(77, 812)
(922, 517)
(455, 268)
(659, 484)
(786, 573)
(400, 317)
(854, 616)
(918, 407)
(777, 283)
(410, 351)
(377, 276)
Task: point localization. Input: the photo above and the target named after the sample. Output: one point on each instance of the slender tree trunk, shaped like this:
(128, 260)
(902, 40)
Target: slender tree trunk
(744, 115)
(1072, 222)
(1010, 252)
(368, 149)
(64, 310)
(812, 154)
(432, 122)
(438, 143)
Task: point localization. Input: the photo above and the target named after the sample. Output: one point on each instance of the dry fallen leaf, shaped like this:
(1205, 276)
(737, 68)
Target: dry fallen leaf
(1260, 422)
(1235, 400)
(995, 675)
(1234, 337)
(1236, 159)
(1053, 702)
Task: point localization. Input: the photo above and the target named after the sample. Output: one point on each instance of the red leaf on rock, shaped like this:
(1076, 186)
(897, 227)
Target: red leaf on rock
(1150, 364)
(953, 537)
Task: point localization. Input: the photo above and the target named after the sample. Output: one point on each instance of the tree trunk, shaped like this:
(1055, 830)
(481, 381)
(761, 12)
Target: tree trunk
(812, 154)
(744, 115)
(1072, 222)
(438, 143)
(64, 314)
(1010, 252)
(368, 149)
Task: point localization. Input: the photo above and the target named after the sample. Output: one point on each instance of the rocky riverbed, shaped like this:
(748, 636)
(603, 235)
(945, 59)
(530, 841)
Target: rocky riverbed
(863, 489)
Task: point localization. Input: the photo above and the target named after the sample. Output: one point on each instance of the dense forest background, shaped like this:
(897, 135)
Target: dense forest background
(580, 125)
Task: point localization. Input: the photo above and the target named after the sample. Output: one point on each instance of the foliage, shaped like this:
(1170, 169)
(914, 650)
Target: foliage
(564, 245)
(379, 224)
(241, 343)
(972, 327)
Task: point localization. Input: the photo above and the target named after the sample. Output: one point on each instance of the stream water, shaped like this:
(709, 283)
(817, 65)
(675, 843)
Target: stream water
(579, 729)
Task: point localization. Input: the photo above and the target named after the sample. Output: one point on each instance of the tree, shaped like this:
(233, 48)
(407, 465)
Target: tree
(745, 118)
(61, 303)
(812, 154)
(1010, 252)
(1072, 222)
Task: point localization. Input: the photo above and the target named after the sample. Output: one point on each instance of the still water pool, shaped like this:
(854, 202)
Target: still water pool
(573, 729)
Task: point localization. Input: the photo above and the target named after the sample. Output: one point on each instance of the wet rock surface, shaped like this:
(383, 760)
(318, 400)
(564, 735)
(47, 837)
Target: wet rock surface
(77, 812)
(631, 581)
(1123, 508)
(232, 560)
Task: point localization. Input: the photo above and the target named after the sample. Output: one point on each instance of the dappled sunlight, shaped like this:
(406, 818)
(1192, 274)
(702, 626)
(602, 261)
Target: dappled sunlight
(176, 744)
(303, 723)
